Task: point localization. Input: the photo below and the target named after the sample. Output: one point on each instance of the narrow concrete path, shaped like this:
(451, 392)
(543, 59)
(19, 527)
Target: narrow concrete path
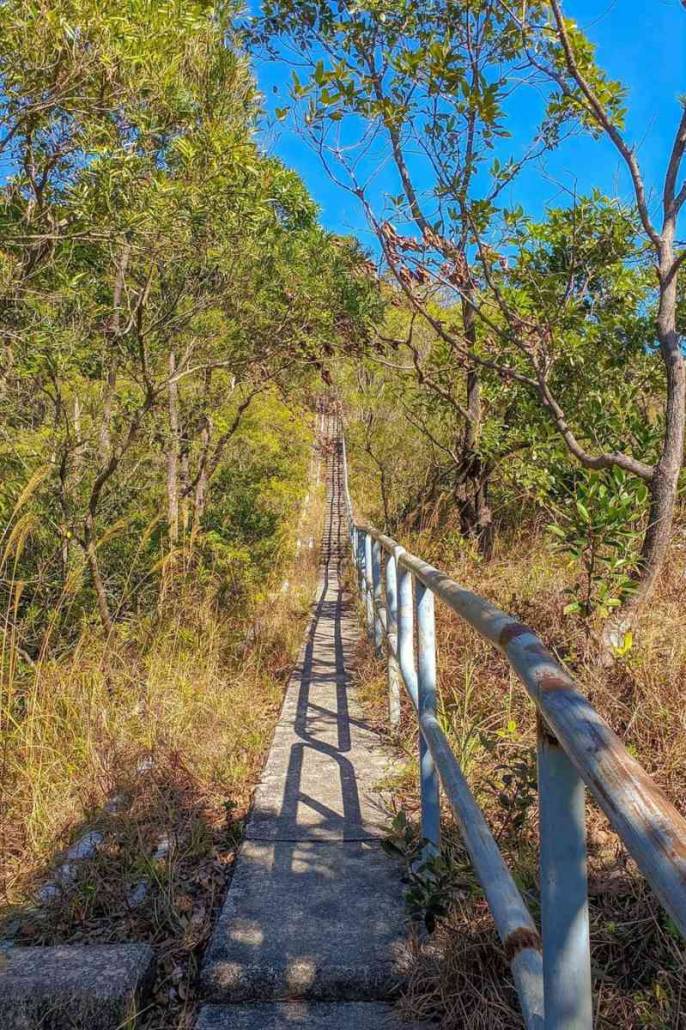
(312, 931)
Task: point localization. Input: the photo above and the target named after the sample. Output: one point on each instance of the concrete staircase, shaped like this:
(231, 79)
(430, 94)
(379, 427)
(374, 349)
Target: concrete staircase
(312, 932)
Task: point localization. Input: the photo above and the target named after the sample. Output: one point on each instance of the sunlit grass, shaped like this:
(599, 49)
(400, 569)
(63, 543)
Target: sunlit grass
(181, 686)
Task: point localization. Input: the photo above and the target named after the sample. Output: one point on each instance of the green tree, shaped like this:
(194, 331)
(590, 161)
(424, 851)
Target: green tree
(160, 273)
(432, 84)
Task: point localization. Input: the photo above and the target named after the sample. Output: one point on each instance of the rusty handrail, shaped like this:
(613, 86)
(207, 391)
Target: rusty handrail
(576, 746)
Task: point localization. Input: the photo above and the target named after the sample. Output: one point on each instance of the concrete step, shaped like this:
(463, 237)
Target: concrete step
(306, 919)
(351, 1015)
(321, 780)
(73, 987)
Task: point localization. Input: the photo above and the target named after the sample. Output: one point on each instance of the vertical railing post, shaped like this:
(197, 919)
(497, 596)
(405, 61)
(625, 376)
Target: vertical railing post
(369, 586)
(406, 629)
(359, 536)
(564, 888)
(426, 697)
(392, 633)
(377, 597)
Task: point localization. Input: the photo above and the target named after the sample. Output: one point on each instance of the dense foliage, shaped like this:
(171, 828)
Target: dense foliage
(159, 274)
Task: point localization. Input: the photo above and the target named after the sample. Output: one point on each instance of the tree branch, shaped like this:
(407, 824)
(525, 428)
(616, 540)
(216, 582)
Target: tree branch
(605, 122)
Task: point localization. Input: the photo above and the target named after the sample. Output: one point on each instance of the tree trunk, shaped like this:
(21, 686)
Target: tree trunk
(184, 470)
(91, 554)
(111, 355)
(476, 520)
(173, 456)
(184, 473)
(201, 485)
(665, 481)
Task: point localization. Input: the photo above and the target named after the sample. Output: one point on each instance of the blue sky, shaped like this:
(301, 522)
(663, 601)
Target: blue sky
(640, 42)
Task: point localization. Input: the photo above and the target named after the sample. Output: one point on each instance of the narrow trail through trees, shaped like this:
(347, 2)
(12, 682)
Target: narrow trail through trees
(313, 931)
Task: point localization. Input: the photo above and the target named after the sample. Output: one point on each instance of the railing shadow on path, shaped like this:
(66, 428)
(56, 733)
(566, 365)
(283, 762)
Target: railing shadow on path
(316, 907)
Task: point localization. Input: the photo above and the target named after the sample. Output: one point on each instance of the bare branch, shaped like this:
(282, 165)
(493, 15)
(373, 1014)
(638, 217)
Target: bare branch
(609, 459)
(604, 121)
(671, 203)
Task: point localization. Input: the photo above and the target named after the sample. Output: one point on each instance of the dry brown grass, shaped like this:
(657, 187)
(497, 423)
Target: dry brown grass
(638, 960)
(154, 739)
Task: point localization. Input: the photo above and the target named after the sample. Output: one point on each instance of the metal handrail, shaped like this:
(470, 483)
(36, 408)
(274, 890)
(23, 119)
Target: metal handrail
(575, 747)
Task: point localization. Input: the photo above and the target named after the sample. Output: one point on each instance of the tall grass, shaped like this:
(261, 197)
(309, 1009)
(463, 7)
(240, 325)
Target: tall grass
(154, 735)
(181, 685)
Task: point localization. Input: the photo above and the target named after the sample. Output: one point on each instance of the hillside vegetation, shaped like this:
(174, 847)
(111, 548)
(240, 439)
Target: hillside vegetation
(513, 392)
(168, 298)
